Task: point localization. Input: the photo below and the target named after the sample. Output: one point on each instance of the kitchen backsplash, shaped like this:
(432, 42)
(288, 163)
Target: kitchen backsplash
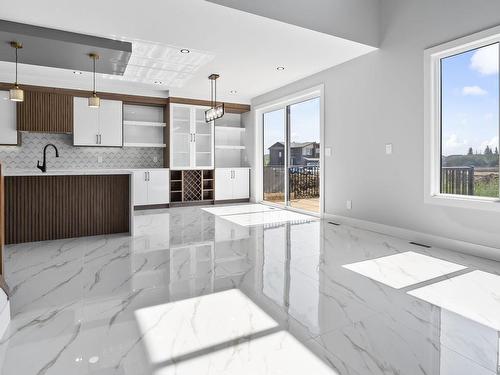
(31, 150)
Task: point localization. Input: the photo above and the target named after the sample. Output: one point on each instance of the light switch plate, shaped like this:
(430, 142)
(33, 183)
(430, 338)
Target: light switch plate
(328, 151)
(99, 159)
(388, 148)
(349, 205)
(155, 159)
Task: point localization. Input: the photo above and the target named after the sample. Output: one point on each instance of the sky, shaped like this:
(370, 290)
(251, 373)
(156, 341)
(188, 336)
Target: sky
(470, 101)
(304, 124)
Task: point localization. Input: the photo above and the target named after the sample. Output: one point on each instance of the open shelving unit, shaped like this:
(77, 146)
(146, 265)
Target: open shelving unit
(230, 149)
(143, 126)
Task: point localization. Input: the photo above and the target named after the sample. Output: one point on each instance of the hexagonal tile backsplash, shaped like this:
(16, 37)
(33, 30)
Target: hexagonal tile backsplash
(31, 150)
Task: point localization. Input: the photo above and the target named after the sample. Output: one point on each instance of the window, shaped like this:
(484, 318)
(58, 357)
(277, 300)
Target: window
(462, 115)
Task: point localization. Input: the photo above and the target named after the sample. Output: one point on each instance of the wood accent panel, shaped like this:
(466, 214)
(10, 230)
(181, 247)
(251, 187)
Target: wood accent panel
(166, 136)
(229, 107)
(45, 112)
(42, 208)
(3, 284)
(127, 99)
(130, 99)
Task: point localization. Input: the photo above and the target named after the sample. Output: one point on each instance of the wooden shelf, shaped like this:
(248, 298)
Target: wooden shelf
(157, 145)
(144, 123)
(230, 128)
(229, 147)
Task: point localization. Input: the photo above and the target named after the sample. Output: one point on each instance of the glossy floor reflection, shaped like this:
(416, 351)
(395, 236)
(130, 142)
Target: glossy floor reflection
(196, 293)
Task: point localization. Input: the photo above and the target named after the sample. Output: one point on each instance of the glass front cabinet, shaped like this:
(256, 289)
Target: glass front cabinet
(191, 138)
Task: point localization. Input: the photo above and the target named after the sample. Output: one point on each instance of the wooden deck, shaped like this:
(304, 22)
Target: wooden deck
(307, 204)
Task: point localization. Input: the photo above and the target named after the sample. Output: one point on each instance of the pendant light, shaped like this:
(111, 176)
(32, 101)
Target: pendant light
(216, 111)
(94, 100)
(16, 94)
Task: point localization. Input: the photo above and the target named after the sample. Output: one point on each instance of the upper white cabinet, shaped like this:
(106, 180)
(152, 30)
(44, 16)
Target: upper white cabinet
(151, 187)
(97, 126)
(191, 138)
(8, 130)
(232, 183)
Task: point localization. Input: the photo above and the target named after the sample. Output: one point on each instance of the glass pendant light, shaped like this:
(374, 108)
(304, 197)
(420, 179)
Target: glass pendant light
(94, 100)
(216, 111)
(16, 94)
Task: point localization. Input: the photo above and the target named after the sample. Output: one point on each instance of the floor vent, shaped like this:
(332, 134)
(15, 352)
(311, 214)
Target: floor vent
(421, 245)
(331, 222)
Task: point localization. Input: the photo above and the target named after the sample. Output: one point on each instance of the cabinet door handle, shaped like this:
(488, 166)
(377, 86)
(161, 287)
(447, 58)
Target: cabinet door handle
(100, 140)
(145, 176)
(97, 139)
(194, 137)
(149, 176)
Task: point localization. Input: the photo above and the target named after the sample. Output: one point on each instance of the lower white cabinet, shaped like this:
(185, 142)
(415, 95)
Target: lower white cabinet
(151, 187)
(8, 129)
(232, 183)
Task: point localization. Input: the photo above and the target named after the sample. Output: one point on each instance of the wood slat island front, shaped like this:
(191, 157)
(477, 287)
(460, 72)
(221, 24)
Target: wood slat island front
(49, 207)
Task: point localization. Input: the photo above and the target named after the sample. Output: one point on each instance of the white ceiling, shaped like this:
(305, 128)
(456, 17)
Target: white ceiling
(243, 48)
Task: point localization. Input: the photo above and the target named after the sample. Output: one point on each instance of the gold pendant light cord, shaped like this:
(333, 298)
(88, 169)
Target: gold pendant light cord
(16, 68)
(94, 74)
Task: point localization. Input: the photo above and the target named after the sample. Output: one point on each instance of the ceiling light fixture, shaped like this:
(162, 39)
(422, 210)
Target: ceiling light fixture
(77, 72)
(158, 82)
(280, 68)
(185, 50)
(216, 111)
(16, 94)
(233, 92)
(94, 101)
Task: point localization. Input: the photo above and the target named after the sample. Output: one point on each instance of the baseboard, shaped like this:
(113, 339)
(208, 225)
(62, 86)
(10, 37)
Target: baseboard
(420, 237)
(151, 207)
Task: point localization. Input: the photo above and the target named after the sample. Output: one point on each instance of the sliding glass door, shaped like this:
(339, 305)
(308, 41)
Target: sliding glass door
(274, 156)
(291, 173)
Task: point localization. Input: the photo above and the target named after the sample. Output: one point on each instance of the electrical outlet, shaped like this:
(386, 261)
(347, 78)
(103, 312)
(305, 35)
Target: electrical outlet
(328, 151)
(349, 205)
(388, 148)
(99, 159)
(155, 159)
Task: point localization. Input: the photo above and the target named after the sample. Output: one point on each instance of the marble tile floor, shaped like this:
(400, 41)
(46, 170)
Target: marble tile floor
(197, 292)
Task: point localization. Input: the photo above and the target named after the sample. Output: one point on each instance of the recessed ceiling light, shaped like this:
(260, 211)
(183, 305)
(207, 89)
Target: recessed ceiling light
(185, 50)
(233, 92)
(93, 359)
(158, 82)
(77, 72)
(280, 68)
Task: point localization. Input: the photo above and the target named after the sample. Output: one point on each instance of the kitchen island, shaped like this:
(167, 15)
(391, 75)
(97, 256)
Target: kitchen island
(67, 203)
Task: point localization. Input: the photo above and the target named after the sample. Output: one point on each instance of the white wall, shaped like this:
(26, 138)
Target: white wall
(356, 20)
(378, 99)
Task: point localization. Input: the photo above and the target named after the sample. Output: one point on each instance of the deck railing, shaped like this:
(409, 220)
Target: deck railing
(304, 181)
(457, 180)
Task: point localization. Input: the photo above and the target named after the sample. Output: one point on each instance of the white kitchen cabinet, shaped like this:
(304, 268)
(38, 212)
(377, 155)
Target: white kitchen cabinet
(8, 129)
(191, 138)
(232, 183)
(158, 186)
(111, 123)
(101, 126)
(151, 187)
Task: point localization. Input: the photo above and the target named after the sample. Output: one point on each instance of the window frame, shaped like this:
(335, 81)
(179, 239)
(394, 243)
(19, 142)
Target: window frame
(432, 116)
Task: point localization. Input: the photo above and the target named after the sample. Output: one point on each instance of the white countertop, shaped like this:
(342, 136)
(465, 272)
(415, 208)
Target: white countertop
(78, 172)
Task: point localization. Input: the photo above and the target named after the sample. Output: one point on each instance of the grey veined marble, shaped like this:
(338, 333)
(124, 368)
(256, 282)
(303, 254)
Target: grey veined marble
(248, 289)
